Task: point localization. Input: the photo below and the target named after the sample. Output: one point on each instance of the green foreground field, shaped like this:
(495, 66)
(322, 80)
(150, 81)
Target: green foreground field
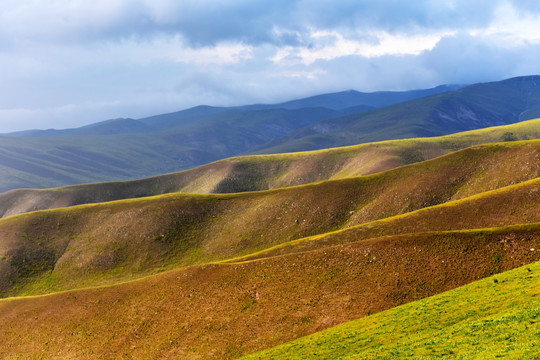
(497, 317)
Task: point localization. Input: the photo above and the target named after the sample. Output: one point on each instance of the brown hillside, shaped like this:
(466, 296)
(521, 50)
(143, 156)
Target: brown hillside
(224, 311)
(510, 205)
(102, 243)
(251, 173)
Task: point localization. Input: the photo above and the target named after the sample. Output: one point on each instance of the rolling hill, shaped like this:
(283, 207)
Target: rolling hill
(170, 142)
(472, 107)
(103, 243)
(252, 173)
(122, 149)
(212, 311)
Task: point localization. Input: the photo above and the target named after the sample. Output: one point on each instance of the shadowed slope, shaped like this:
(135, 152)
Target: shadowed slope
(491, 318)
(251, 173)
(472, 107)
(102, 243)
(224, 311)
(165, 143)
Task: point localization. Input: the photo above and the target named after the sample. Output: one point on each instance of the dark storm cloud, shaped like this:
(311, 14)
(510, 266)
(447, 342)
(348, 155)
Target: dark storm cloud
(209, 22)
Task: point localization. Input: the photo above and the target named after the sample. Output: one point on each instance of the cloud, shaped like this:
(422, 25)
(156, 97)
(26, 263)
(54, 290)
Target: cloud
(326, 45)
(208, 22)
(67, 63)
(464, 58)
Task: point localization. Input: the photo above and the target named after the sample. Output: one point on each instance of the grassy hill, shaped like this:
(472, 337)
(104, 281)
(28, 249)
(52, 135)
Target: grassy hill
(101, 243)
(252, 173)
(513, 204)
(491, 318)
(472, 107)
(221, 311)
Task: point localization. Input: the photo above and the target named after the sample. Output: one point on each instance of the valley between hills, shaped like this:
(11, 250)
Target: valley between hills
(418, 247)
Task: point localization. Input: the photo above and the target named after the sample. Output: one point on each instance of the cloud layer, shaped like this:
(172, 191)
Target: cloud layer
(70, 62)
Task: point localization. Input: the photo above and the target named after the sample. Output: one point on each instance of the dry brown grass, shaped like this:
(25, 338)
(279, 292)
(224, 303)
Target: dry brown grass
(514, 204)
(224, 311)
(396, 239)
(105, 243)
(110, 242)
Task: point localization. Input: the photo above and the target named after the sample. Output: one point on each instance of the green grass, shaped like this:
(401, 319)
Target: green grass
(497, 317)
(217, 311)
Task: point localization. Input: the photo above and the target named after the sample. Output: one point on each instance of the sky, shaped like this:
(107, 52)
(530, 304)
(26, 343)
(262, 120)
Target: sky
(67, 63)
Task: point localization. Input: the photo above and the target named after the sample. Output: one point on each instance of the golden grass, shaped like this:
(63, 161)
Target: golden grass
(492, 318)
(513, 204)
(222, 311)
(332, 250)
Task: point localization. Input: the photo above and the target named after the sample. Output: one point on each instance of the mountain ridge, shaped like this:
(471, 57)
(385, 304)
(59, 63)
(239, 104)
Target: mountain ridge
(471, 107)
(288, 244)
(123, 149)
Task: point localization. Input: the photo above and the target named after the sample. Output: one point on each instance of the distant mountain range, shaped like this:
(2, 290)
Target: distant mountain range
(121, 149)
(472, 107)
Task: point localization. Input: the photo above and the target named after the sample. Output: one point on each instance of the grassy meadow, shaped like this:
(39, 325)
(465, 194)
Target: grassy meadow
(218, 311)
(97, 244)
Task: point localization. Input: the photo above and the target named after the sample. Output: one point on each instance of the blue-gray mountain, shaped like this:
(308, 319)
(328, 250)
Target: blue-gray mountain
(121, 149)
(472, 107)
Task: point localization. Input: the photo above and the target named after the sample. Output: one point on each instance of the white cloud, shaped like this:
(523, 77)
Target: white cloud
(219, 54)
(307, 74)
(328, 45)
(513, 26)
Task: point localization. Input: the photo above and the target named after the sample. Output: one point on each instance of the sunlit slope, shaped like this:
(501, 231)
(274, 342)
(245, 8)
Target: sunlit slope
(102, 243)
(497, 317)
(227, 310)
(251, 173)
(514, 204)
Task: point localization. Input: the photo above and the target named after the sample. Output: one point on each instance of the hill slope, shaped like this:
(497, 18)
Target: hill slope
(251, 173)
(112, 151)
(211, 311)
(490, 318)
(102, 243)
(472, 107)
(513, 204)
